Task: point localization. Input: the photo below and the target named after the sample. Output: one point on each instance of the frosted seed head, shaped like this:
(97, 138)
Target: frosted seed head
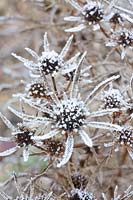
(54, 148)
(70, 114)
(23, 136)
(50, 63)
(123, 38)
(116, 18)
(37, 90)
(93, 13)
(79, 181)
(124, 137)
(112, 99)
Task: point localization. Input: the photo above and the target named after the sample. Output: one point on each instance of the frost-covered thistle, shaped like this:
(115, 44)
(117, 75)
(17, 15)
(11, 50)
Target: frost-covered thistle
(90, 14)
(123, 138)
(50, 62)
(128, 193)
(68, 116)
(78, 194)
(122, 39)
(21, 135)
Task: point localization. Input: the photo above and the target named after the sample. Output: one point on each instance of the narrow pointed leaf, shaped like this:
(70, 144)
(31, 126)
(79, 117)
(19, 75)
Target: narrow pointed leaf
(7, 122)
(76, 29)
(68, 151)
(8, 152)
(72, 19)
(87, 140)
(66, 47)
(46, 136)
(5, 139)
(33, 53)
(25, 154)
(74, 4)
(46, 43)
(99, 87)
(104, 125)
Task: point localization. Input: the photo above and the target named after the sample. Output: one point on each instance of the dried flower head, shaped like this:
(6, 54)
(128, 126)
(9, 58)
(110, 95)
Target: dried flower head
(50, 62)
(122, 38)
(124, 137)
(90, 14)
(116, 18)
(37, 90)
(79, 181)
(54, 148)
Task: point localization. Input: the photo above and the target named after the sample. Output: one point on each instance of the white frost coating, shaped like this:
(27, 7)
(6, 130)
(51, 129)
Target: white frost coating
(9, 151)
(7, 122)
(104, 125)
(76, 29)
(103, 112)
(68, 151)
(25, 154)
(66, 47)
(46, 136)
(33, 53)
(72, 19)
(87, 140)
(76, 72)
(27, 63)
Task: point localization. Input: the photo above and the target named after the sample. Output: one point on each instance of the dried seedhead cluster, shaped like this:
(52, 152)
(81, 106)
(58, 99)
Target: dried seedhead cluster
(71, 118)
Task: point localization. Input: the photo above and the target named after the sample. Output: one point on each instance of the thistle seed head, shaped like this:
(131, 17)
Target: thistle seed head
(93, 13)
(125, 137)
(112, 99)
(125, 39)
(50, 63)
(79, 181)
(54, 148)
(116, 18)
(70, 114)
(37, 90)
(23, 137)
